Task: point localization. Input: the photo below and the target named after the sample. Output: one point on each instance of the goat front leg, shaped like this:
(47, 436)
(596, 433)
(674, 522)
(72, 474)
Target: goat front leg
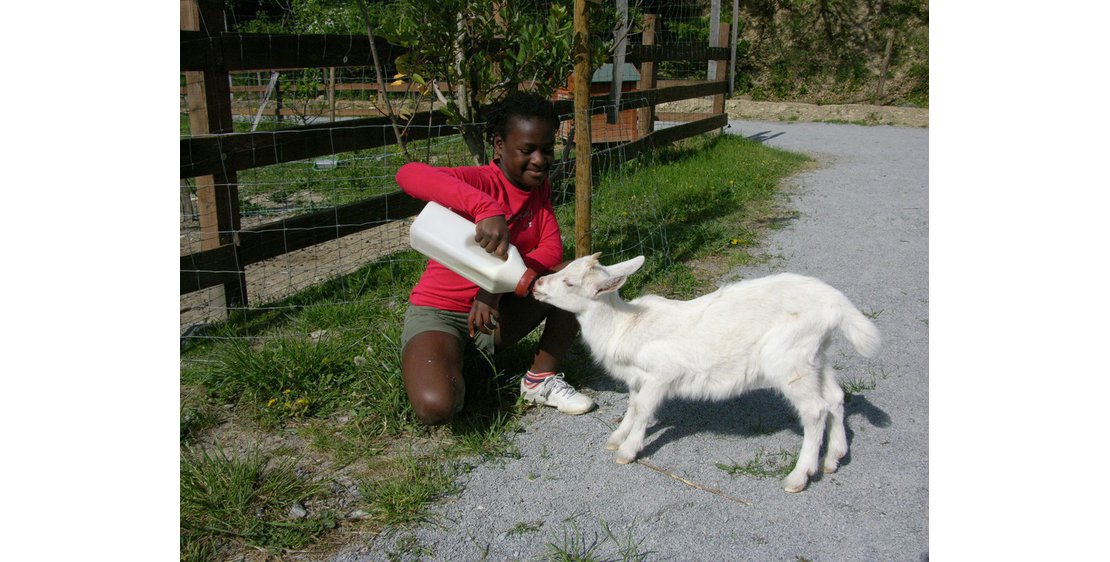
(618, 436)
(640, 410)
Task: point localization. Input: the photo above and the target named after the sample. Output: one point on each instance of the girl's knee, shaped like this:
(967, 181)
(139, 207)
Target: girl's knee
(433, 408)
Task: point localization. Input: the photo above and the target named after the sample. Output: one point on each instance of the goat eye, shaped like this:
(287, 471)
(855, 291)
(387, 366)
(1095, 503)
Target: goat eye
(567, 282)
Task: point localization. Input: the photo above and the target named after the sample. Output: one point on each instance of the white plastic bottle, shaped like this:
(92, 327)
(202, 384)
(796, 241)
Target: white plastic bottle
(448, 238)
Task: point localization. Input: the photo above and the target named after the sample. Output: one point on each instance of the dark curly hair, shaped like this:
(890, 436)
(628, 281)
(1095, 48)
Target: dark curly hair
(517, 104)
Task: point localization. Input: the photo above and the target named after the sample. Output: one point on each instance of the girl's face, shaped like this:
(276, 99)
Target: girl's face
(527, 151)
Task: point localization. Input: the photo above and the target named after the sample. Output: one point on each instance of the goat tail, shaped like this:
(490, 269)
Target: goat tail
(860, 331)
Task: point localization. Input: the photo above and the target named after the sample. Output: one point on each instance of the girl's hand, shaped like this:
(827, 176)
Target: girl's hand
(484, 314)
(492, 234)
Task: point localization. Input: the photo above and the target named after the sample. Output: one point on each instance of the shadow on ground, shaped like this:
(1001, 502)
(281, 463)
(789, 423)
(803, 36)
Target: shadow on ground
(758, 412)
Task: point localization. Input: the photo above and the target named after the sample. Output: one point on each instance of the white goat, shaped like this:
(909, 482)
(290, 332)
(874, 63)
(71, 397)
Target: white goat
(770, 332)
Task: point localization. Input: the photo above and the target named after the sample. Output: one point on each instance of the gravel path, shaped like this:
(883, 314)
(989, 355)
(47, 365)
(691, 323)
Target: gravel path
(862, 227)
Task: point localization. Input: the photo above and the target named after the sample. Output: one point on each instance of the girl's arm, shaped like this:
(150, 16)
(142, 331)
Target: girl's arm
(457, 188)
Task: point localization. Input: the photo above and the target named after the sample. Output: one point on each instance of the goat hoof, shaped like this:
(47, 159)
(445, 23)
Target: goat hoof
(793, 486)
(830, 468)
(612, 446)
(794, 489)
(624, 459)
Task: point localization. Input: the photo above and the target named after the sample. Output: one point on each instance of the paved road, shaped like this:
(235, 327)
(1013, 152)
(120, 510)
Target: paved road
(862, 226)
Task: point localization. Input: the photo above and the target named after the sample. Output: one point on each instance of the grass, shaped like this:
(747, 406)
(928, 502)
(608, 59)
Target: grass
(319, 372)
(764, 465)
(854, 386)
(573, 545)
(525, 527)
(872, 313)
(401, 496)
(245, 499)
(197, 416)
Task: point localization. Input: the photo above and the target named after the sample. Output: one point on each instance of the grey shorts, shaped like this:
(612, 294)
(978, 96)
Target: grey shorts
(427, 318)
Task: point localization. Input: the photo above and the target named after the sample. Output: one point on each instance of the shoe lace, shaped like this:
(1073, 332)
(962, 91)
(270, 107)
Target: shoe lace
(560, 386)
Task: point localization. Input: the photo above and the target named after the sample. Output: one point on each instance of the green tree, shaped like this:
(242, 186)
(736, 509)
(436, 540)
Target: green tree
(298, 16)
(479, 50)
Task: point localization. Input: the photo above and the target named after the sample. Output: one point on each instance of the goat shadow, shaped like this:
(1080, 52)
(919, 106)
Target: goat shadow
(757, 412)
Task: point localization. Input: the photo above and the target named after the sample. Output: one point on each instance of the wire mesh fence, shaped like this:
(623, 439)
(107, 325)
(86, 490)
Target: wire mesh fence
(273, 106)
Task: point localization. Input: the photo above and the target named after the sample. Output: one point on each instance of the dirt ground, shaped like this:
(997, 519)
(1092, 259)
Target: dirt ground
(792, 111)
(296, 271)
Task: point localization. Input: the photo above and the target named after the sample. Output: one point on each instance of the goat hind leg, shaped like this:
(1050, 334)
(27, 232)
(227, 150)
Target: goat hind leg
(805, 395)
(837, 437)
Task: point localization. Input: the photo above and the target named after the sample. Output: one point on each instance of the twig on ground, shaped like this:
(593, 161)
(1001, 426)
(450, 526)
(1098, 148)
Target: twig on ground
(713, 491)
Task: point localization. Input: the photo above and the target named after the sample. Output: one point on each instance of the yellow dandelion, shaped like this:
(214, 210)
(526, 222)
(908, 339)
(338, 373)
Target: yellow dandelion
(271, 403)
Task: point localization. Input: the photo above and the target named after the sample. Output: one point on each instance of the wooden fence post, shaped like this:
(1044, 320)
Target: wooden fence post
(719, 100)
(277, 100)
(583, 179)
(713, 71)
(331, 92)
(208, 95)
(732, 46)
(648, 75)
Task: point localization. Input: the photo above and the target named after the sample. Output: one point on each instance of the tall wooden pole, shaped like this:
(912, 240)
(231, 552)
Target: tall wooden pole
(646, 118)
(619, 50)
(732, 47)
(583, 179)
(331, 91)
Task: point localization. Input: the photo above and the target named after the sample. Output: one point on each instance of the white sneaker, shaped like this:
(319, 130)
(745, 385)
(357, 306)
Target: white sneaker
(553, 391)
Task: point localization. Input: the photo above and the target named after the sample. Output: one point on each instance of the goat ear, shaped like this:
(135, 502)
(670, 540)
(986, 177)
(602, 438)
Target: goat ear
(609, 285)
(626, 268)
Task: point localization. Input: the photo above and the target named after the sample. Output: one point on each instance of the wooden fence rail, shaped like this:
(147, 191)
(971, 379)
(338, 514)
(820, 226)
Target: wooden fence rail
(242, 151)
(210, 56)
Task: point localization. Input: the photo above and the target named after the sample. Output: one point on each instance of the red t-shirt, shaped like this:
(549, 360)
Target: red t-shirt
(477, 193)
